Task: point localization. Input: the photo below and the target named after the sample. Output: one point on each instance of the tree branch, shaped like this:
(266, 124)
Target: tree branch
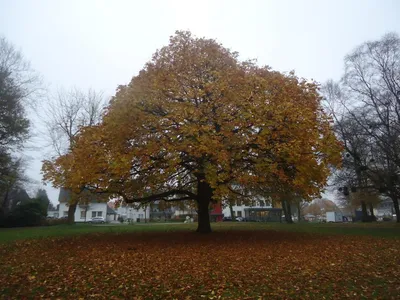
(164, 196)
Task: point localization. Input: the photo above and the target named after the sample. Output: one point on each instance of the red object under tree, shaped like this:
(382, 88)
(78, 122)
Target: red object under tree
(216, 214)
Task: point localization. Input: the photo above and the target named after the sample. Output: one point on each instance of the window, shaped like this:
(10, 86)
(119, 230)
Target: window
(83, 214)
(65, 213)
(97, 214)
(239, 213)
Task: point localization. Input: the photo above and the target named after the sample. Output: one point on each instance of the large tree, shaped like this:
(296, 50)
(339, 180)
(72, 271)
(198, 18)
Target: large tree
(195, 123)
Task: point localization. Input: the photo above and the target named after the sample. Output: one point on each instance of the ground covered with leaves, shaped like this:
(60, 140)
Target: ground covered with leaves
(184, 265)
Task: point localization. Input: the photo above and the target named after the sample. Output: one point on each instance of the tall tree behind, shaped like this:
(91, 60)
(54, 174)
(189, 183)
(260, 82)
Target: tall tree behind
(370, 96)
(69, 111)
(357, 150)
(42, 198)
(18, 84)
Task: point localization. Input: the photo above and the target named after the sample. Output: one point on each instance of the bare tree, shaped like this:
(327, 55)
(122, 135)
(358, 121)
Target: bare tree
(368, 98)
(301, 206)
(67, 113)
(14, 66)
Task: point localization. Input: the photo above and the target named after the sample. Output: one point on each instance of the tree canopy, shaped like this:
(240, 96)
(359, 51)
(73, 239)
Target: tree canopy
(195, 123)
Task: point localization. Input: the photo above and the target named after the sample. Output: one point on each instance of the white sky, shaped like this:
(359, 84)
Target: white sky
(102, 44)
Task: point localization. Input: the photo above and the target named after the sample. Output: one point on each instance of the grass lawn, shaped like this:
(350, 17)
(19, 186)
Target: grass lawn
(237, 261)
(372, 229)
(13, 234)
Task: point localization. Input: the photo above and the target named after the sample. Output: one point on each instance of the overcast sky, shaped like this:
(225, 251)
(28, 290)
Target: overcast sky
(102, 44)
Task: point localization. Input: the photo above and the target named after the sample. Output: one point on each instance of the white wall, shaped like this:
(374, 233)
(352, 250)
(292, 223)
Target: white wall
(184, 213)
(240, 208)
(128, 212)
(62, 210)
(385, 208)
(94, 210)
(79, 217)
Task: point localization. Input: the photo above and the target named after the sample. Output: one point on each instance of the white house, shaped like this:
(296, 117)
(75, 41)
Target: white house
(385, 208)
(239, 210)
(84, 212)
(334, 216)
(130, 213)
(53, 213)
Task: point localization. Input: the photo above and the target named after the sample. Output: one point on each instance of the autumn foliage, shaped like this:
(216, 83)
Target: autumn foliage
(181, 265)
(196, 123)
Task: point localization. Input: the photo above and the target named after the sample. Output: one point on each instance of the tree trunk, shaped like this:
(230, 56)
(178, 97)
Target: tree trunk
(365, 217)
(71, 213)
(204, 194)
(231, 210)
(86, 210)
(371, 211)
(288, 211)
(283, 202)
(4, 205)
(298, 212)
(396, 208)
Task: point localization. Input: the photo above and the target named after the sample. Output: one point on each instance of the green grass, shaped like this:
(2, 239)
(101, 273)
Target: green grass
(387, 230)
(23, 233)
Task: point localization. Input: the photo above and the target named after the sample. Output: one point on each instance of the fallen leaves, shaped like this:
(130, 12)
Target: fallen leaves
(223, 265)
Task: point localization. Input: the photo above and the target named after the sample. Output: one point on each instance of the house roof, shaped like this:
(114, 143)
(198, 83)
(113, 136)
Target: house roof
(86, 196)
(64, 195)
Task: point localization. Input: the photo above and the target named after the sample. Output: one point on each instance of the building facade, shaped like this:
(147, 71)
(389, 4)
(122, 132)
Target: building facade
(131, 214)
(87, 211)
(239, 210)
(84, 213)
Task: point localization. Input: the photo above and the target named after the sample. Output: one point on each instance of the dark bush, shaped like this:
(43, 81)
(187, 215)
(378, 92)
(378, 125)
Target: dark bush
(28, 214)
